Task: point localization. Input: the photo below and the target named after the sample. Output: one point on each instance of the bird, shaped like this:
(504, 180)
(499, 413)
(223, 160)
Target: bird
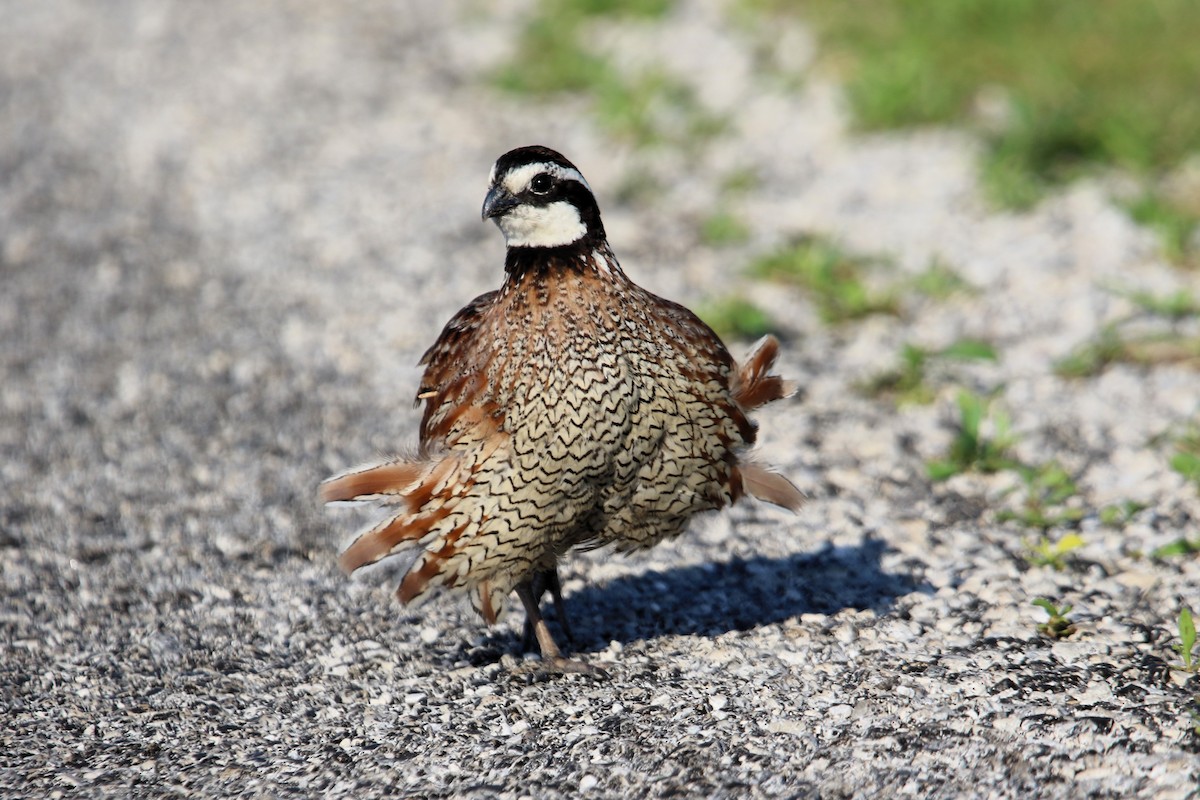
(570, 408)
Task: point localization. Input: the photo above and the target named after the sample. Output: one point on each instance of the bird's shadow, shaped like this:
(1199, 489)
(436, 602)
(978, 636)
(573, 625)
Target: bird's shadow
(735, 595)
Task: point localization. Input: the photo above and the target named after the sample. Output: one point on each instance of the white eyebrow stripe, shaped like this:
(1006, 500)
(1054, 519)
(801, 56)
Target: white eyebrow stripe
(518, 180)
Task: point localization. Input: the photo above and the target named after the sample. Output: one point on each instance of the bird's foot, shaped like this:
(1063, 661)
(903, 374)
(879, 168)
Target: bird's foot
(574, 667)
(537, 670)
(553, 661)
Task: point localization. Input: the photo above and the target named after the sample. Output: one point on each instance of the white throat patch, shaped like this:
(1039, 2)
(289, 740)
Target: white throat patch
(554, 225)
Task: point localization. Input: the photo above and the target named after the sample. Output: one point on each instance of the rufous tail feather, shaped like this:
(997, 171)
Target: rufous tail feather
(770, 486)
(408, 483)
(373, 480)
(754, 385)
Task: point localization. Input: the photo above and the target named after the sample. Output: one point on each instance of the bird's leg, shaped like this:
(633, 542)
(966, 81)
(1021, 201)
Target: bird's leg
(540, 583)
(535, 623)
(537, 587)
(560, 608)
(552, 657)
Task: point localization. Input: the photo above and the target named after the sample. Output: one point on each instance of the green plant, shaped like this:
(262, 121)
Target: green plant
(1058, 626)
(971, 449)
(550, 57)
(1186, 459)
(939, 281)
(1176, 306)
(908, 381)
(1007, 179)
(1180, 547)
(1048, 487)
(1175, 226)
(1111, 346)
(1055, 88)
(968, 350)
(1091, 358)
(1187, 640)
(736, 317)
(740, 181)
(646, 108)
(1046, 553)
(723, 228)
(1118, 515)
(1036, 151)
(653, 108)
(834, 279)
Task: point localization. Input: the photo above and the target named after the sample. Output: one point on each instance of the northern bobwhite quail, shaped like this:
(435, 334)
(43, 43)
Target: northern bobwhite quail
(569, 408)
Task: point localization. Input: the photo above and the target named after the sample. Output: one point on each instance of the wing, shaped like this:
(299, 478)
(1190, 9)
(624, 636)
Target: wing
(750, 384)
(707, 362)
(453, 385)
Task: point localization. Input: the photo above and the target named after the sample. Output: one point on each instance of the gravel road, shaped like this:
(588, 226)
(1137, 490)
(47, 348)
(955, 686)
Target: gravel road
(227, 232)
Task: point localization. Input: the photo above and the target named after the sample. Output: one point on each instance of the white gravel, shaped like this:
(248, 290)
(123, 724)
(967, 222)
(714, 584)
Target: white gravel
(226, 234)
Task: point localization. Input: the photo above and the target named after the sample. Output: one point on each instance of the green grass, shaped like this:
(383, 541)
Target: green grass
(1187, 641)
(971, 449)
(736, 317)
(1180, 547)
(1176, 226)
(1186, 458)
(550, 56)
(1072, 85)
(939, 281)
(1093, 356)
(1086, 81)
(638, 186)
(1113, 345)
(1118, 515)
(653, 108)
(644, 109)
(1176, 306)
(1048, 488)
(835, 280)
(1057, 626)
(908, 383)
(1053, 554)
(1057, 88)
(723, 228)
(842, 287)
(1187, 464)
(1048, 498)
(740, 181)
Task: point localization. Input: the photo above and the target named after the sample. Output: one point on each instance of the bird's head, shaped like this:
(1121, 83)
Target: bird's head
(539, 199)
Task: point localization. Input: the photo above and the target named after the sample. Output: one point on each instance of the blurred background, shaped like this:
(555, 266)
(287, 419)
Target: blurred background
(258, 200)
(229, 230)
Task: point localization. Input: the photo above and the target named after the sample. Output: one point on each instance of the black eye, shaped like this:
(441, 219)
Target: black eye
(540, 183)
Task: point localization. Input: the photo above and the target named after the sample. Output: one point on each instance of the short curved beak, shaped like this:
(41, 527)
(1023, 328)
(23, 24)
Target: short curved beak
(498, 201)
